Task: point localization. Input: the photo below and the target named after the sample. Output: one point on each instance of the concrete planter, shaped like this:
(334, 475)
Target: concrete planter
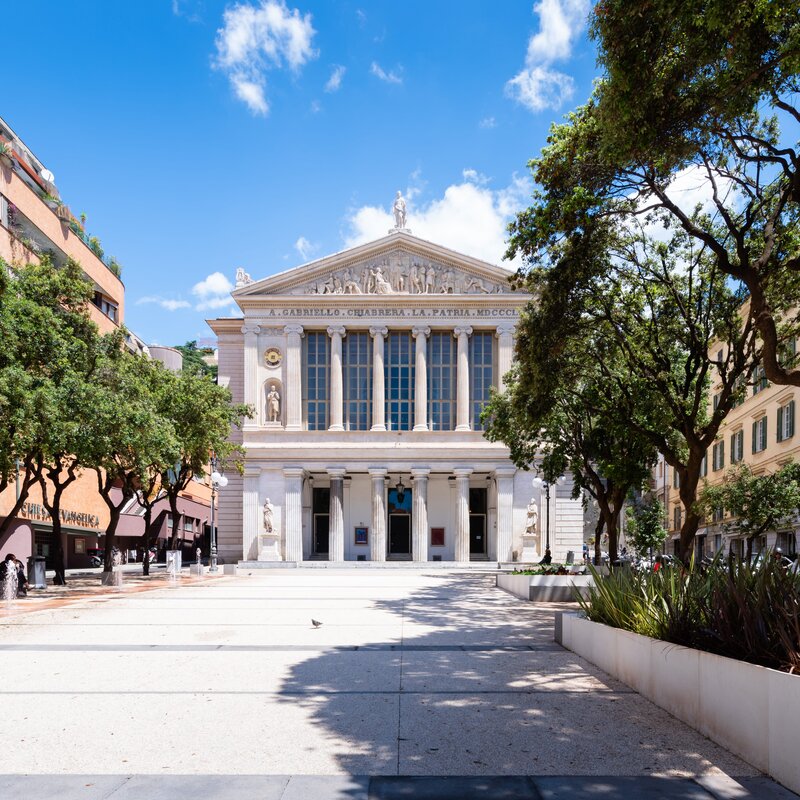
(750, 710)
(545, 588)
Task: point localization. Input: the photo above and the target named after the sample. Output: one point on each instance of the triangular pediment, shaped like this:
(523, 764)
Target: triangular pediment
(397, 264)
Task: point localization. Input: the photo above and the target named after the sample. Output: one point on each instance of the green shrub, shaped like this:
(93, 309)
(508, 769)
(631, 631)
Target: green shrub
(734, 609)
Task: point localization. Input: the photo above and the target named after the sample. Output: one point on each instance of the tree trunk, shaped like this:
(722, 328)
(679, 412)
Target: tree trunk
(148, 517)
(53, 474)
(689, 477)
(176, 531)
(30, 477)
(598, 535)
(105, 485)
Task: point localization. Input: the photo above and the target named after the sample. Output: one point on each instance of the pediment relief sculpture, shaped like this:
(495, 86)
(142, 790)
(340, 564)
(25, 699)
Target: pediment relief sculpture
(402, 273)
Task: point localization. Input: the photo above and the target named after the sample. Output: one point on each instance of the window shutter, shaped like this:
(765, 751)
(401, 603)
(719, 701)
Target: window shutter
(763, 433)
(790, 420)
(755, 434)
(779, 434)
(741, 445)
(734, 456)
(722, 454)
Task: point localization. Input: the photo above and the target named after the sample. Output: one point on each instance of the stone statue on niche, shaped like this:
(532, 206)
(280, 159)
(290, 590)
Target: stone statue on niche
(273, 405)
(532, 521)
(269, 516)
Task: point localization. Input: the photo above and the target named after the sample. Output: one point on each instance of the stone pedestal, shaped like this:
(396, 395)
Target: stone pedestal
(530, 548)
(269, 547)
(197, 569)
(273, 425)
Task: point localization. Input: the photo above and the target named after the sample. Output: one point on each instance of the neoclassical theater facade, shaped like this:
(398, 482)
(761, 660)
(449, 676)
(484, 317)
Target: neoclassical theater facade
(368, 371)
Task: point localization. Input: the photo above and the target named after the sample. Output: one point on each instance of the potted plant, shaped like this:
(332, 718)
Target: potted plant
(6, 154)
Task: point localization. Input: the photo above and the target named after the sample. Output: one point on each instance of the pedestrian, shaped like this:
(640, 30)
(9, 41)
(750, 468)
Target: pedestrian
(22, 580)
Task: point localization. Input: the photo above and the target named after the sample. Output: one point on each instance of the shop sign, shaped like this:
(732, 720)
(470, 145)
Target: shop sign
(36, 511)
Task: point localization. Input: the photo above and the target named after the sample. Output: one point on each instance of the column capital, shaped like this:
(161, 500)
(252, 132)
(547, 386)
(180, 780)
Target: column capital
(420, 472)
(463, 472)
(336, 472)
(378, 472)
(463, 330)
(378, 331)
(505, 472)
(294, 472)
(422, 331)
(294, 328)
(505, 329)
(336, 330)
(249, 328)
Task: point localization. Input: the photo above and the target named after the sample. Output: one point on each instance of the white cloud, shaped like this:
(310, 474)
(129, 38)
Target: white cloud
(469, 217)
(335, 81)
(315, 107)
(305, 248)
(165, 303)
(212, 292)
(256, 38)
(386, 77)
(473, 176)
(540, 88)
(537, 86)
(487, 123)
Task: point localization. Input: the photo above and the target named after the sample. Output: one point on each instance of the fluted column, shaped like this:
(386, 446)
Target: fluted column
(419, 520)
(462, 513)
(251, 372)
(462, 379)
(251, 508)
(421, 379)
(505, 352)
(337, 397)
(336, 523)
(293, 513)
(377, 542)
(378, 383)
(294, 377)
(504, 477)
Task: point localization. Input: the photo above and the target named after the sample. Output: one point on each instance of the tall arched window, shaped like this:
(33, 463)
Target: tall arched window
(481, 370)
(442, 381)
(399, 376)
(357, 379)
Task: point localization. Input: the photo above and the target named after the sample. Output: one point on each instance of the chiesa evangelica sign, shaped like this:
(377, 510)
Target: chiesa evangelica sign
(35, 511)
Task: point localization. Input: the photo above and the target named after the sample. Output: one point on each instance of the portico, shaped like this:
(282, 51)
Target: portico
(382, 358)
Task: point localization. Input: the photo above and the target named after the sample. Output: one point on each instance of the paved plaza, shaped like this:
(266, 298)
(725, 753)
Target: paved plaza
(223, 688)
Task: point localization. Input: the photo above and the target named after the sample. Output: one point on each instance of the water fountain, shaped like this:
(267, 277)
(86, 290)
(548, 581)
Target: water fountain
(8, 587)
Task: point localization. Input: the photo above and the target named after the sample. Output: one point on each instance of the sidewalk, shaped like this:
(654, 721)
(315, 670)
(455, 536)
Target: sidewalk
(417, 684)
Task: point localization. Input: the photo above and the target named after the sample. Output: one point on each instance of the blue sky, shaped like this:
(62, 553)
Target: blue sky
(199, 137)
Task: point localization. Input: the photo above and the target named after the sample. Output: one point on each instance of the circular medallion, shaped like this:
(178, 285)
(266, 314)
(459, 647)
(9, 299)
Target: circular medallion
(272, 357)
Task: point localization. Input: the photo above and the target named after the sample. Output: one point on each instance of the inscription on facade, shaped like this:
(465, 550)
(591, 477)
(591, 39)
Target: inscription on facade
(454, 313)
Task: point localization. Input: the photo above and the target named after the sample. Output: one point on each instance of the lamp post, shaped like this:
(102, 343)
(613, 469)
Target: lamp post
(539, 483)
(218, 481)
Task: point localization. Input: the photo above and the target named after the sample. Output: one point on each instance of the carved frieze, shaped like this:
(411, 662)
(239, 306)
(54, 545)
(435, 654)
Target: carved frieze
(400, 272)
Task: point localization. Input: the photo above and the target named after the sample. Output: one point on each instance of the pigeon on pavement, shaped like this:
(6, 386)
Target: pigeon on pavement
(315, 623)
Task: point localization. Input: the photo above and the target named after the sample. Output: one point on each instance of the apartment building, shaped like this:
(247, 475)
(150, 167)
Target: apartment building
(35, 221)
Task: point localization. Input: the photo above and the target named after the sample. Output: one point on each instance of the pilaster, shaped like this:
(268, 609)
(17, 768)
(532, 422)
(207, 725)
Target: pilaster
(421, 379)
(504, 479)
(462, 513)
(419, 520)
(462, 380)
(293, 513)
(251, 508)
(337, 396)
(336, 520)
(377, 542)
(294, 386)
(251, 373)
(378, 384)
(505, 352)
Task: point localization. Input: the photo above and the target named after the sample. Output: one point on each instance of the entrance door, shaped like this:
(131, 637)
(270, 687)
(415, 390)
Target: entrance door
(477, 522)
(399, 535)
(320, 507)
(399, 523)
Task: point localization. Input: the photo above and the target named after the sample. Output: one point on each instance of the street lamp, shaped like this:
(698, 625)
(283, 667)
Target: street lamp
(538, 484)
(218, 481)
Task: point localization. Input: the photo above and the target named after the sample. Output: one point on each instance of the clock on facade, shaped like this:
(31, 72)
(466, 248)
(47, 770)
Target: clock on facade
(272, 357)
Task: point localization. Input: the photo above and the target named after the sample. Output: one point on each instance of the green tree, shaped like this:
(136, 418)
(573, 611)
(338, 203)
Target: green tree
(48, 342)
(194, 361)
(693, 97)
(757, 503)
(569, 422)
(202, 414)
(646, 526)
